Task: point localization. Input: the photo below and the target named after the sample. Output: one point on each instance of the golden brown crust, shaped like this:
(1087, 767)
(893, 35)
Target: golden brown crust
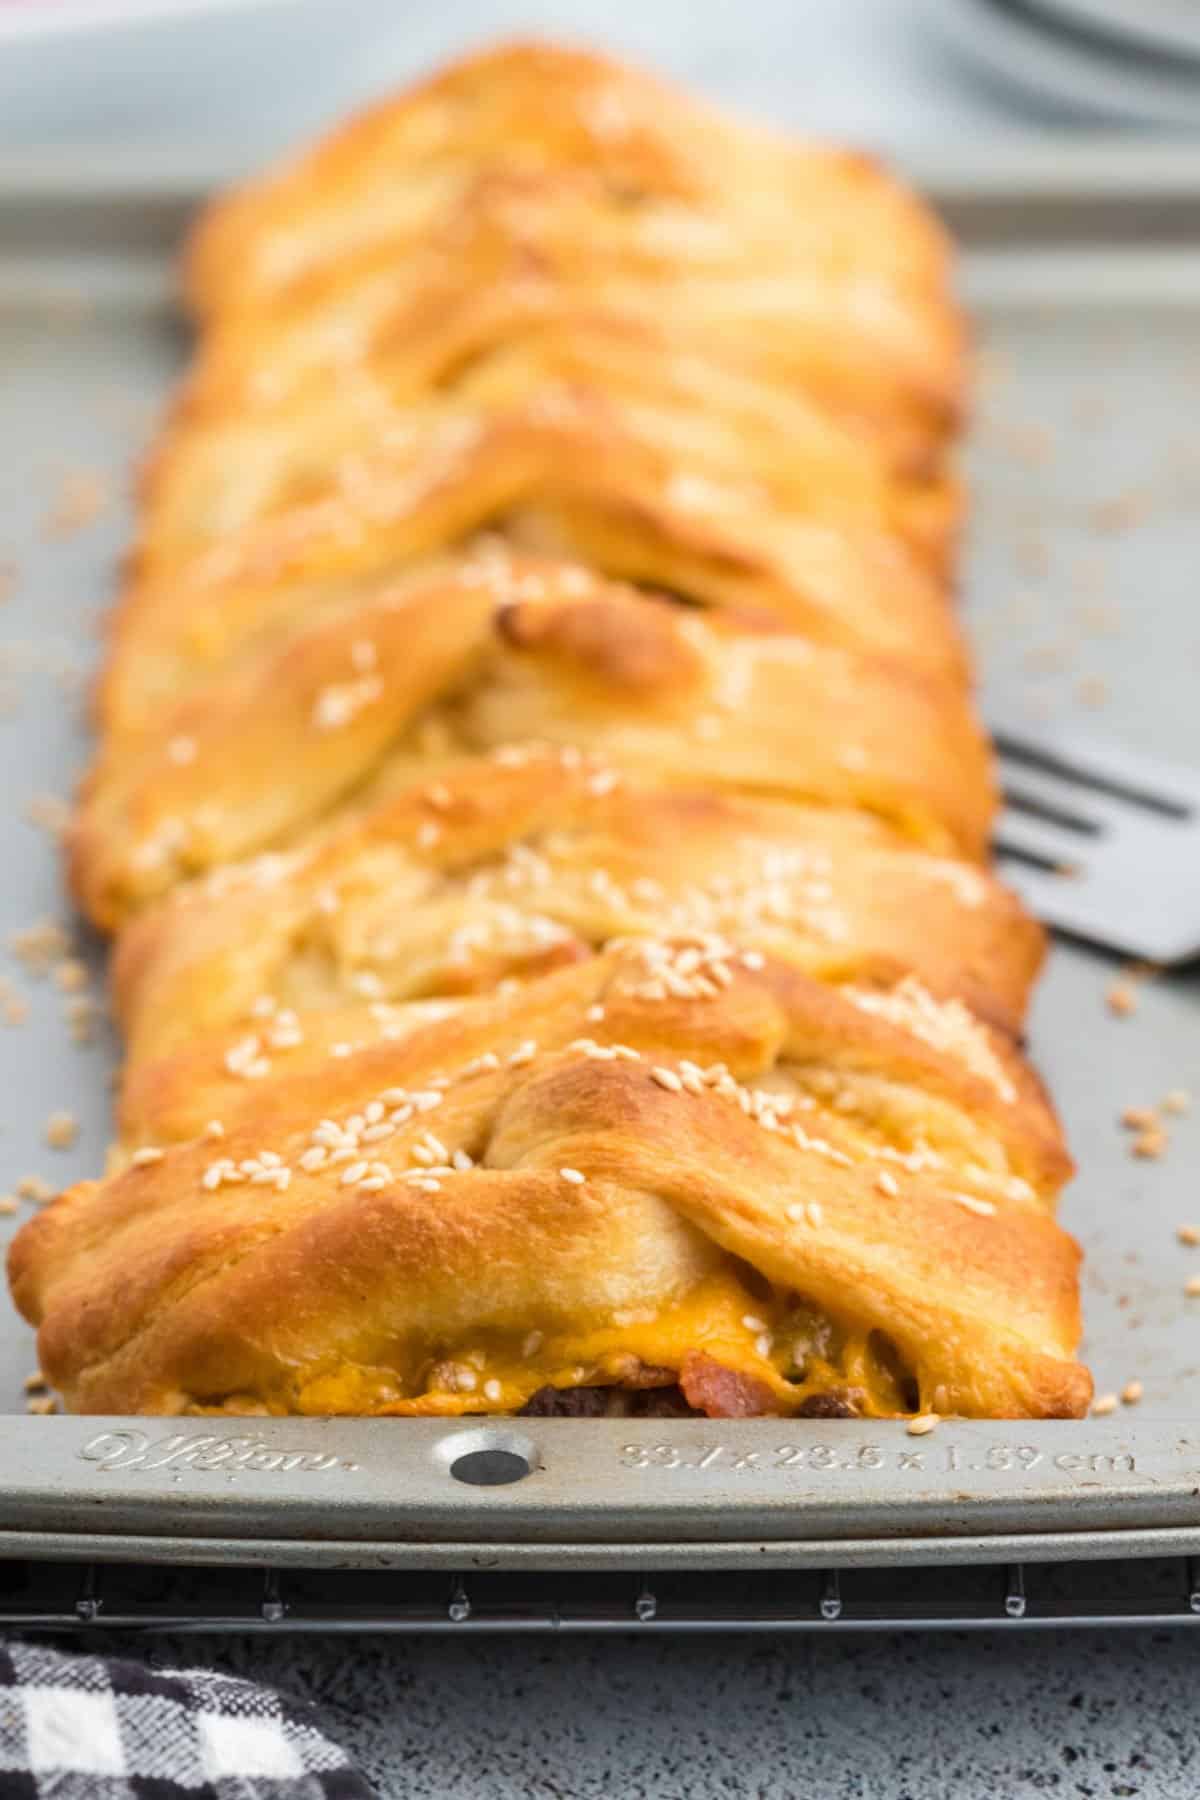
(460, 658)
(542, 807)
(502, 870)
(612, 179)
(356, 1290)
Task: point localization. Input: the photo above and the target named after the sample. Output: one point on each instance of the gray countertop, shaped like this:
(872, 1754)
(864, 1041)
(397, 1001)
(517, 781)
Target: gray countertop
(890, 1718)
(895, 1718)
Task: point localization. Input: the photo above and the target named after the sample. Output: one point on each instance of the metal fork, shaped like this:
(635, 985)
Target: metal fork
(1101, 843)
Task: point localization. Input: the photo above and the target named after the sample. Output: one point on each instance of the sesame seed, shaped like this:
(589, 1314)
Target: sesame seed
(492, 1389)
(1121, 999)
(984, 1208)
(1177, 1101)
(753, 1323)
(466, 1379)
(41, 1404)
(244, 1059)
(574, 1176)
(524, 1053)
(1150, 1145)
(1131, 1393)
(667, 1078)
(594, 1014)
(35, 1383)
(39, 946)
(922, 1424)
(1104, 1404)
(797, 1211)
(14, 1009)
(32, 1187)
(8, 1205)
(62, 1129)
(1191, 1287)
(763, 1343)
(532, 1344)
(214, 1129)
(1188, 1234)
(337, 704)
(886, 1182)
(1139, 1118)
(149, 1153)
(353, 1174)
(71, 975)
(428, 835)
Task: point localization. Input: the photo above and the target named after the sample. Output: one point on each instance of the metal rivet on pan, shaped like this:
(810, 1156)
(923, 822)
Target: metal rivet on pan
(488, 1456)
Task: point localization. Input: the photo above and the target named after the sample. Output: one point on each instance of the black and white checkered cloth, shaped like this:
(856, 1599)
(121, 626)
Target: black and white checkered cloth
(90, 1728)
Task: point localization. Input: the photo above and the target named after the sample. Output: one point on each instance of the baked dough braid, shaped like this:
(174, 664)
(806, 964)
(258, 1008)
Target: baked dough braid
(676, 1164)
(541, 808)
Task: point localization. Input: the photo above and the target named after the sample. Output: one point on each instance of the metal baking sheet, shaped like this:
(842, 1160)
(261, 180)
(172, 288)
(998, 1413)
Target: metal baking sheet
(1082, 268)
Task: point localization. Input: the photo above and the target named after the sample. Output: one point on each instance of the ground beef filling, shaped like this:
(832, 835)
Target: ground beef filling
(609, 1403)
(668, 1403)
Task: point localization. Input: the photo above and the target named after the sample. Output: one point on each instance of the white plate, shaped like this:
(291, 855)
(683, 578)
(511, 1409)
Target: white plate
(1166, 27)
(253, 74)
(35, 19)
(1057, 72)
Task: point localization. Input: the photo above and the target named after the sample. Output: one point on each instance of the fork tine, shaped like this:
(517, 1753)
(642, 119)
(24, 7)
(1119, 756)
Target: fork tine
(1087, 765)
(1076, 811)
(1102, 843)
(1025, 835)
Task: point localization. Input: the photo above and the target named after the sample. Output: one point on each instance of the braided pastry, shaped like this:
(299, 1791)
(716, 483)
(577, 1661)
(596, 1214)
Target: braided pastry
(541, 808)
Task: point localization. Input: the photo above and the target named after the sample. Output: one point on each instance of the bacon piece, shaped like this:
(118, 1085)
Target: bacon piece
(724, 1393)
